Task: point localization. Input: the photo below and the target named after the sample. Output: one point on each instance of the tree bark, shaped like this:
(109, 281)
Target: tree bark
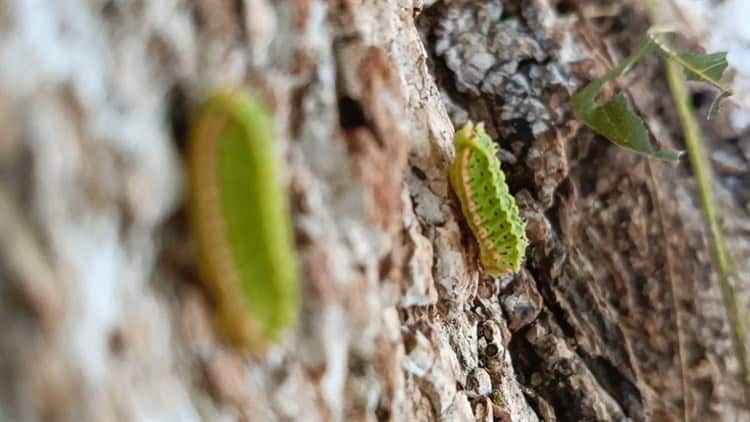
(616, 314)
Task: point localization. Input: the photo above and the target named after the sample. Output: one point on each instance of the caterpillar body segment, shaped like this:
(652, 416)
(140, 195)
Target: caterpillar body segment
(240, 219)
(486, 202)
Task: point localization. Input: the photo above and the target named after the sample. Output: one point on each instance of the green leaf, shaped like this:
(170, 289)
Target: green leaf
(620, 125)
(614, 120)
(584, 101)
(716, 103)
(704, 67)
(707, 68)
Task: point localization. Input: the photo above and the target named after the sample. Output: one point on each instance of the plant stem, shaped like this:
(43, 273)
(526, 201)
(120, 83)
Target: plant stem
(701, 168)
(699, 162)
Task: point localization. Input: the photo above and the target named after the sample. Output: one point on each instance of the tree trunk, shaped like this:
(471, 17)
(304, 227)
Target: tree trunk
(616, 314)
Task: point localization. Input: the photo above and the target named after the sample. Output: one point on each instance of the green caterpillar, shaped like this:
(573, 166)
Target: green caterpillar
(486, 202)
(240, 219)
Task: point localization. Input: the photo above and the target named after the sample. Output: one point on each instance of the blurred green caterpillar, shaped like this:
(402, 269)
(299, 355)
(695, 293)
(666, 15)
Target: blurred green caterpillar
(486, 202)
(240, 219)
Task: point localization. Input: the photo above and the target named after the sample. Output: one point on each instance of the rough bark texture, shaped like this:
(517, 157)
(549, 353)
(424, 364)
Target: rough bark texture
(105, 318)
